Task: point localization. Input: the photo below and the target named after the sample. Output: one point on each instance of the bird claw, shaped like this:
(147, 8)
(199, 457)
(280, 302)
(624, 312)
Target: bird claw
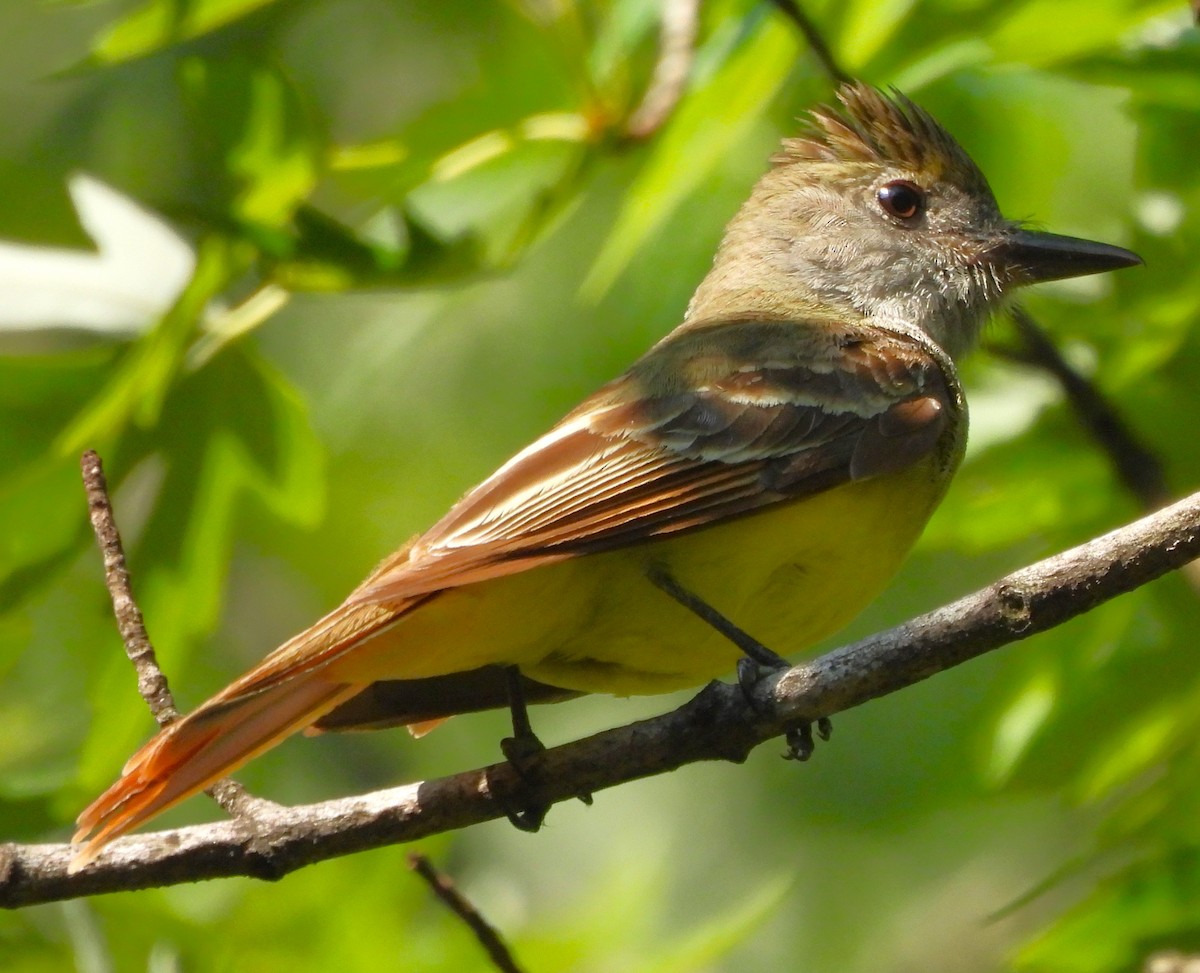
(799, 738)
(523, 813)
(800, 743)
(749, 675)
(529, 818)
(521, 752)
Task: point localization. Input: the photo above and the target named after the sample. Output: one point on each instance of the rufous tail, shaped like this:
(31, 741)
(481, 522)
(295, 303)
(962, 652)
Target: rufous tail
(288, 691)
(199, 749)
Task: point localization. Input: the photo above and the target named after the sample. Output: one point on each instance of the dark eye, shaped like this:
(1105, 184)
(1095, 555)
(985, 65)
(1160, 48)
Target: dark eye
(902, 200)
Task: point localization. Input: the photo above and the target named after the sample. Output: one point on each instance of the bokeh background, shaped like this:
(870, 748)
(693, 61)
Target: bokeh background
(305, 270)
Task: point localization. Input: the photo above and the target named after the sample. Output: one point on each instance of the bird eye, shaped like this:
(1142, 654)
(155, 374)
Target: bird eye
(902, 199)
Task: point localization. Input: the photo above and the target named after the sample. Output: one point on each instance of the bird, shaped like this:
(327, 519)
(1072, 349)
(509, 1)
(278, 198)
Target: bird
(746, 487)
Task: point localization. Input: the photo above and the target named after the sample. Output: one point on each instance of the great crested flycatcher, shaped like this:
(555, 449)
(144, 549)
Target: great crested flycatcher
(767, 465)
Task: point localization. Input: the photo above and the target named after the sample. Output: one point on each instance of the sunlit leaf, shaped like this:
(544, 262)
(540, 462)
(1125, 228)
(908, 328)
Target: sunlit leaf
(484, 205)
(867, 26)
(1024, 37)
(157, 24)
(1023, 718)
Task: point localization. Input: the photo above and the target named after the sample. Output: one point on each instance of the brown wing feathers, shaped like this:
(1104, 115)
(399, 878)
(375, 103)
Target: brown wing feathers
(628, 465)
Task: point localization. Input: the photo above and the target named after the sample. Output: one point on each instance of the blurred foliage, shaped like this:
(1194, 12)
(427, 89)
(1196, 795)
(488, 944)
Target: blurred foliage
(356, 252)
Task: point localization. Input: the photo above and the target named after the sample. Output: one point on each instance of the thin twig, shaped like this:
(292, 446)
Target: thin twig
(151, 682)
(677, 48)
(719, 724)
(444, 888)
(815, 39)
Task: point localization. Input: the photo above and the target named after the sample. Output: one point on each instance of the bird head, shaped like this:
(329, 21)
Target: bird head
(878, 212)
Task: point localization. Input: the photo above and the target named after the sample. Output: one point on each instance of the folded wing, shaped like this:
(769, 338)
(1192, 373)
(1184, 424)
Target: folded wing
(715, 422)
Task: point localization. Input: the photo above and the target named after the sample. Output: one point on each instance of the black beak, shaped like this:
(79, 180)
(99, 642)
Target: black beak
(1030, 256)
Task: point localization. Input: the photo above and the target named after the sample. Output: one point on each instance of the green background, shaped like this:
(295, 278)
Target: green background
(435, 201)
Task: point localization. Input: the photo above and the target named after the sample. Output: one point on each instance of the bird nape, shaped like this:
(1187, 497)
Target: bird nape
(754, 479)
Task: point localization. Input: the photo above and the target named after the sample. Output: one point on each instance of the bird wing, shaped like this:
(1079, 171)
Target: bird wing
(719, 419)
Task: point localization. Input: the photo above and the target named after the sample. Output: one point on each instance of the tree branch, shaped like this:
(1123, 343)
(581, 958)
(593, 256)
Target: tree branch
(718, 724)
(815, 39)
(677, 49)
(445, 889)
(151, 683)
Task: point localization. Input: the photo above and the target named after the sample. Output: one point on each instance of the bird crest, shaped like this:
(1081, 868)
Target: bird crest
(884, 129)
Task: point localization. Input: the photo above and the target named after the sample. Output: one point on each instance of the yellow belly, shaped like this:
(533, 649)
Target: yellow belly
(789, 576)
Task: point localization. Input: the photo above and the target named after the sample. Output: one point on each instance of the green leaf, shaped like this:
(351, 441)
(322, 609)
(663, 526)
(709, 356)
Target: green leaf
(868, 25)
(259, 144)
(1125, 919)
(707, 124)
(142, 380)
(621, 35)
(1027, 38)
(43, 521)
(158, 24)
(495, 195)
(330, 256)
(42, 513)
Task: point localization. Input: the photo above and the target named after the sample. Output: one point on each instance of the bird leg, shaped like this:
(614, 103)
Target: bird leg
(523, 745)
(758, 660)
(521, 749)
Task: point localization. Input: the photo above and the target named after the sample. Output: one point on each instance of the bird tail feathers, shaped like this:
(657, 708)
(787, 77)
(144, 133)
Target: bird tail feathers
(199, 749)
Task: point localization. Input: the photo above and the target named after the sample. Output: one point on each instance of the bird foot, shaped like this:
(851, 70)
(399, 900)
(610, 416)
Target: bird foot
(799, 738)
(523, 812)
(521, 752)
